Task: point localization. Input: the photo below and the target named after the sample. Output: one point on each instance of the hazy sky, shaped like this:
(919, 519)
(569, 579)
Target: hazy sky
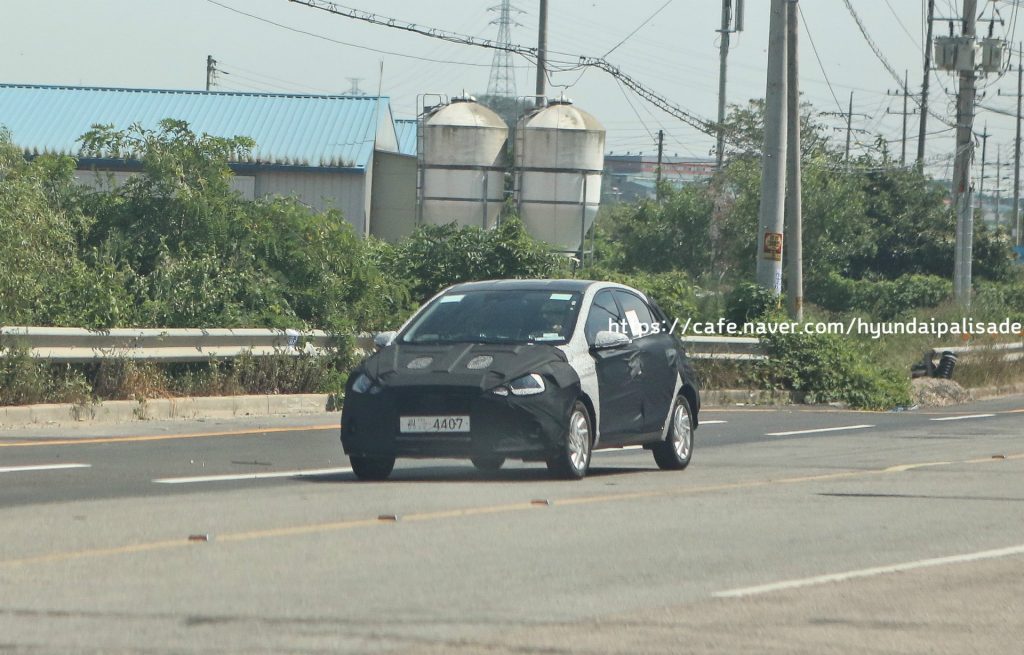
(164, 44)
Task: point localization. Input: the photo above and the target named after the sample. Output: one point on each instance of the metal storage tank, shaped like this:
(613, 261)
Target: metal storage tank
(462, 164)
(559, 161)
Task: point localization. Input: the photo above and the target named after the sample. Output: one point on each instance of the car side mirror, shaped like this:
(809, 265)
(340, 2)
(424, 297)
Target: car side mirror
(606, 339)
(384, 339)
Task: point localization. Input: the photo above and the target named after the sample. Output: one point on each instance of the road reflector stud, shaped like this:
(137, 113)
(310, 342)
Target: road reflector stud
(998, 456)
(540, 501)
(199, 537)
(388, 517)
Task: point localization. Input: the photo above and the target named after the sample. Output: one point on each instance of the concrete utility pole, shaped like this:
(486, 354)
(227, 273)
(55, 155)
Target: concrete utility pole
(661, 150)
(962, 169)
(849, 129)
(1016, 148)
(906, 112)
(794, 206)
(211, 70)
(723, 67)
(773, 177)
(981, 183)
(999, 195)
(542, 49)
(924, 86)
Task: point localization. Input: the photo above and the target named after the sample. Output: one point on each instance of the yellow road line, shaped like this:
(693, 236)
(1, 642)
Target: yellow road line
(422, 517)
(164, 437)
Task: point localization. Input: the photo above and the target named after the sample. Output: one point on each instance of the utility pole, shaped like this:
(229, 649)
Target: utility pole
(981, 183)
(962, 168)
(999, 197)
(661, 150)
(848, 115)
(723, 67)
(211, 70)
(849, 128)
(906, 95)
(542, 49)
(773, 178)
(1015, 223)
(924, 86)
(794, 208)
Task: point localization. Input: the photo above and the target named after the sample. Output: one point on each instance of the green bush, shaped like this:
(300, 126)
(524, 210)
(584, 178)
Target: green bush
(437, 256)
(829, 368)
(748, 302)
(883, 299)
(25, 381)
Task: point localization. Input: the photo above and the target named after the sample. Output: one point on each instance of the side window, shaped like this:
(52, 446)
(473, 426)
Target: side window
(639, 317)
(603, 313)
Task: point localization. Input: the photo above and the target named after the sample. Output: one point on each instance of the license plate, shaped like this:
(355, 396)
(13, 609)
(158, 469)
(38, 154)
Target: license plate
(435, 424)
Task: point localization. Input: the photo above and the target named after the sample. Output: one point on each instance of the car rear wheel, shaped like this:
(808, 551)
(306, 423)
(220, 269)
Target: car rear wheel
(372, 468)
(675, 452)
(573, 461)
(488, 462)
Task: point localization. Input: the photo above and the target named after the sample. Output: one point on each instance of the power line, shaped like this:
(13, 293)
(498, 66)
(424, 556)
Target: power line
(814, 48)
(706, 126)
(885, 62)
(344, 43)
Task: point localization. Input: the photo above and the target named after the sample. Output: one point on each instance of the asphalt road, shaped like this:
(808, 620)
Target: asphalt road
(793, 531)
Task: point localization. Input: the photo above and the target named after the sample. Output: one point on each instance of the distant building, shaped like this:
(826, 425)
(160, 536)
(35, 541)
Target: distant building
(631, 177)
(328, 151)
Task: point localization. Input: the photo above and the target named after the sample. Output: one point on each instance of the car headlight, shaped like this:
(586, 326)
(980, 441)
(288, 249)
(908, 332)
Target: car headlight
(528, 385)
(364, 384)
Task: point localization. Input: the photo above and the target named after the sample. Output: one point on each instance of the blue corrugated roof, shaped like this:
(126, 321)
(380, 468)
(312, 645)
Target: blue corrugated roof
(406, 129)
(295, 130)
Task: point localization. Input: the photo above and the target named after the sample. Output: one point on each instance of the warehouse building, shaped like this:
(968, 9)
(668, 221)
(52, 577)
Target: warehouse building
(324, 150)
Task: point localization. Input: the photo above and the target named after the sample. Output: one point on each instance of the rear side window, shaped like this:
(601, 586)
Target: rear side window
(603, 315)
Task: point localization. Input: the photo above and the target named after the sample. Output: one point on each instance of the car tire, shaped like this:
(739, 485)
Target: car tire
(675, 452)
(372, 468)
(488, 462)
(573, 460)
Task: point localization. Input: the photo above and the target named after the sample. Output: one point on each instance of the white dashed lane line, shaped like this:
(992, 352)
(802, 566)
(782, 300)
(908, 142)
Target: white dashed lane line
(252, 476)
(42, 467)
(962, 418)
(836, 429)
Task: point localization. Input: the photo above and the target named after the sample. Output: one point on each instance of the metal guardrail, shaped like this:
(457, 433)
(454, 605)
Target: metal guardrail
(78, 345)
(1011, 352)
(728, 348)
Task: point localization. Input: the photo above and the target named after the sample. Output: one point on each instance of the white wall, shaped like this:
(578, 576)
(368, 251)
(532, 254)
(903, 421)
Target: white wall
(346, 192)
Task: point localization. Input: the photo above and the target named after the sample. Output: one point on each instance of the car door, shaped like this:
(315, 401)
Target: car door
(657, 353)
(619, 371)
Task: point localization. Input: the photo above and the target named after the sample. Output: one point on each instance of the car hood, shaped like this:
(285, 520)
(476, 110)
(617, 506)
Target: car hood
(447, 364)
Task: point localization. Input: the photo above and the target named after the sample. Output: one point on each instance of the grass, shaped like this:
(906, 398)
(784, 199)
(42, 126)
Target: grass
(26, 381)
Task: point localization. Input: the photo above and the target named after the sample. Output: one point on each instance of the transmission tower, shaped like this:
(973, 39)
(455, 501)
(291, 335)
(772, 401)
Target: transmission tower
(503, 81)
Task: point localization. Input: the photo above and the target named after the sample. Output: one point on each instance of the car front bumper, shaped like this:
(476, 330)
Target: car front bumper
(529, 427)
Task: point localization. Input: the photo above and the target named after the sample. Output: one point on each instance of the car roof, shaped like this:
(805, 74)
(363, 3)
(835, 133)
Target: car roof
(525, 285)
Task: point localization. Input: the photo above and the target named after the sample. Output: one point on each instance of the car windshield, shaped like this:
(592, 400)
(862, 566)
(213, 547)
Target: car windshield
(505, 316)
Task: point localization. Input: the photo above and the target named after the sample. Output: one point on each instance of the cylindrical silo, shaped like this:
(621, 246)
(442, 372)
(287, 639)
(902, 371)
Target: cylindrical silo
(462, 164)
(559, 161)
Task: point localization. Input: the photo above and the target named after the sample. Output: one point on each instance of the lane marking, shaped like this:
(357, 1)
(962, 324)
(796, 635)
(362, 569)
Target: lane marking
(712, 422)
(792, 432)
(43, 467)
(167, 437)
(962, 418)
(320, 528)
(910, 467)
(299, 473)
(870, 572)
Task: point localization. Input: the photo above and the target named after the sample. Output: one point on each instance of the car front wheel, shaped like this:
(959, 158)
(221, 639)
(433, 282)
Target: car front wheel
(675, 452)
(372, 468)
(573, 460)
